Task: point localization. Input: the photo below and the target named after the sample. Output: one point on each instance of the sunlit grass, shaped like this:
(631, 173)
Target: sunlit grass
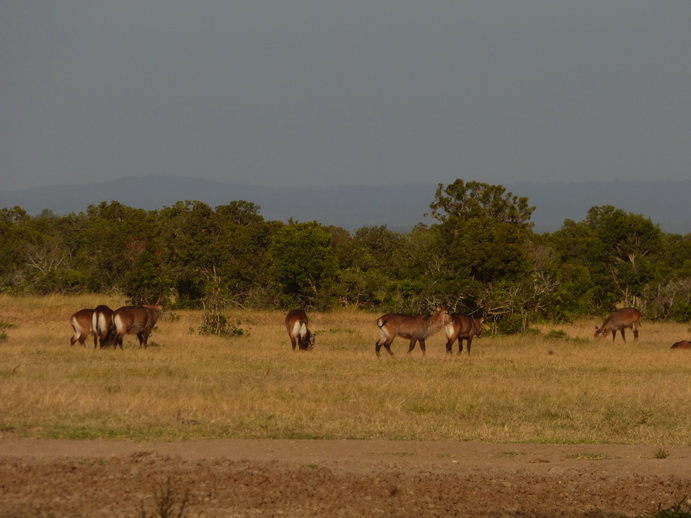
(185, 385)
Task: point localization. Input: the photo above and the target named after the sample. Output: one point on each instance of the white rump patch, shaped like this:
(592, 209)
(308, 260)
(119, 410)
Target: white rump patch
(297, 329)
(383, 332)
(75, 326)
(302, 330)
(101, 324)
(118, 323)
(449, 330)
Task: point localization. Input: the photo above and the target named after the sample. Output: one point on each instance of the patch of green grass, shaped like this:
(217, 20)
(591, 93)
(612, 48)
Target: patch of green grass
(590, 456)
(661, 453)
(169, 501)
(6, 373)
(3, 326)
(557, 334)
(681, 509)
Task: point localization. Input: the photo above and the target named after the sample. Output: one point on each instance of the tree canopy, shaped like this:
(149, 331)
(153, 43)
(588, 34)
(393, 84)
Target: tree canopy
(480, 255)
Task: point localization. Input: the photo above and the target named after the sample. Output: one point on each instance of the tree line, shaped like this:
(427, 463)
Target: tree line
(481, 256)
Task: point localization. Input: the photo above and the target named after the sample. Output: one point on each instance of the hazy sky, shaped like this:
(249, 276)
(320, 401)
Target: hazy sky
(337, 92)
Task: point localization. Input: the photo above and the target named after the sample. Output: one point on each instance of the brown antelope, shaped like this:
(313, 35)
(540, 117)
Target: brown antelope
(135, 320)
(417, 329)
(82, 325)
(618, 321)
(462, 327)
(684, 344)
(300, 335)
(102, 324)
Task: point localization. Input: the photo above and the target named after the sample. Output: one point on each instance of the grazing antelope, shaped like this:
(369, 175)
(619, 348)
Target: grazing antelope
(102, 324)
(684, 344)
(618, 321)
(417, 329)
(135, 320)
(300, 335)
(462, 327)
(82, 325)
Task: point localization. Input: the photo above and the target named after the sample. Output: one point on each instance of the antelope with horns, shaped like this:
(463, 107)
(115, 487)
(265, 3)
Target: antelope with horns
(462, 327)
(135, 320)
(103, 326)
(82, 325)
(299, 333)
(618, 321)
(417, 329)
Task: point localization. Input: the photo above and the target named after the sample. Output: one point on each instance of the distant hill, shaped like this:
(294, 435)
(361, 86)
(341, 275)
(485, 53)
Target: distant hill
(399, 207)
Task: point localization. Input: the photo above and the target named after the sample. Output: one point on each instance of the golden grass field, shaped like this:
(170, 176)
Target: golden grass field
(186, 385)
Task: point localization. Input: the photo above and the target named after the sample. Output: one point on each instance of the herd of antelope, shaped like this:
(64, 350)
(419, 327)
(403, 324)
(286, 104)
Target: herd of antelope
(456, 325)
(109, 327)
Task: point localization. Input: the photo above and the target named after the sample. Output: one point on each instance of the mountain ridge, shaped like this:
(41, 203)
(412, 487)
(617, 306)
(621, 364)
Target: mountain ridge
(399, 207)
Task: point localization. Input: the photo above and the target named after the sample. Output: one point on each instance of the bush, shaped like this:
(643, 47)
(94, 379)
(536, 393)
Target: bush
(510, 324)
(681, 311)
(557, 335)
(217, 324)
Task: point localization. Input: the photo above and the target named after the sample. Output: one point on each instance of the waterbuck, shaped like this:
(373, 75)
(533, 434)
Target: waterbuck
(618, 321)
(684, 344)
(82, 325)
(135, 320)
(299, 333)
(102, 323)
(462, 327)
(417, 329)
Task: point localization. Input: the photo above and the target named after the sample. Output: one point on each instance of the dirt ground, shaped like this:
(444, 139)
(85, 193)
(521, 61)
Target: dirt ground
(337, 478)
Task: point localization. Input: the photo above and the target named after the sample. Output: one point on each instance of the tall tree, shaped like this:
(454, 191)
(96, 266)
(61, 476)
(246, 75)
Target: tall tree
(467, 201)
(108, 242)
(480, 241)
(191, 241)
(613, 254)
(243, 274)
(304, 262)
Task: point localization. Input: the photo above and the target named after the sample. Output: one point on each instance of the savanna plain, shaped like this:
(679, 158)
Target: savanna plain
(553, 422)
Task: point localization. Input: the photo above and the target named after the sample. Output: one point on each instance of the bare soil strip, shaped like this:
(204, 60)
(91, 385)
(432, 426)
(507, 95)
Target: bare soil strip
(338, 478)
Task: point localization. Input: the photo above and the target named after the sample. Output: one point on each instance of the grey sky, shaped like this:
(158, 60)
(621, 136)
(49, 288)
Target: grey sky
(331, 92)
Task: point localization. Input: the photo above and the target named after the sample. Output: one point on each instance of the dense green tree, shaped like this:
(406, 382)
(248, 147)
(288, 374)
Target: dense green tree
(304, 263)
(480, 256)
(372, 266)
(620, 251)
(109, 243)
(480, 242)
(244, 271)
(383, 249)
(43, 255)
(670, 295)
(468, 201)
(240, 213)
(191, 243)
(12, 255)
(147, 282)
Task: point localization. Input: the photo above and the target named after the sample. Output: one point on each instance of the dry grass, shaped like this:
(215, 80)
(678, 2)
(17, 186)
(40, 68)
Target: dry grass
(524, 389)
